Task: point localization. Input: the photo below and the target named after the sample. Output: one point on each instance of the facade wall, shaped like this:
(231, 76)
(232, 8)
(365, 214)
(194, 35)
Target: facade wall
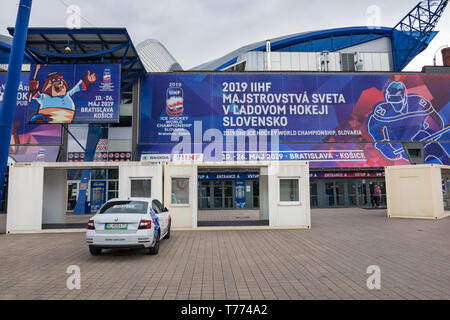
(184, 215)
(134, 170)
(311, 61)
(55, 185)
(25, 199)
(294, 212)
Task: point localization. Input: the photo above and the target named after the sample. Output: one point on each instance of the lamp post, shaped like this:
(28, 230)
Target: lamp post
(8, 108)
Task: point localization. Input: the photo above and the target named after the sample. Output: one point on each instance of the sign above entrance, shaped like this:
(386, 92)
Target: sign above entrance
(321, 175)
(228, 176)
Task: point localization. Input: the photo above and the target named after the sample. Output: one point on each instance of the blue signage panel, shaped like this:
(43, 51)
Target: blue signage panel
(74, 94)
(228, 176)
(98, 194)
(240, 194)
(343, 120)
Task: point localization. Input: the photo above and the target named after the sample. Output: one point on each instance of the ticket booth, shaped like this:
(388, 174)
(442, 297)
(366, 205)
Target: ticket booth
(283, 191)
(417, 191)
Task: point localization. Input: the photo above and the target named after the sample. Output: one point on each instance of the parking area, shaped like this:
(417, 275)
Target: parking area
(327, 262)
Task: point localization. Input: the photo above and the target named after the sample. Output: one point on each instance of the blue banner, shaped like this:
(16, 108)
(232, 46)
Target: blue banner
(30, 142)
(240, 194)
(343, 120)
(74, 94)
(98, 194)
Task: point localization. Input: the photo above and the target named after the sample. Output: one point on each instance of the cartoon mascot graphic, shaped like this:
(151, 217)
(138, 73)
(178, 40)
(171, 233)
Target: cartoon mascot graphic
(55, 98)
(407, 117)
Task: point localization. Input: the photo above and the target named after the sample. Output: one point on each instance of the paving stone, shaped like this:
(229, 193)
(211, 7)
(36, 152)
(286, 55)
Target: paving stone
(328, 261)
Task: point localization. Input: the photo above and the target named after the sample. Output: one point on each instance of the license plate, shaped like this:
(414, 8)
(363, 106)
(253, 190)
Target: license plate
(116, 226)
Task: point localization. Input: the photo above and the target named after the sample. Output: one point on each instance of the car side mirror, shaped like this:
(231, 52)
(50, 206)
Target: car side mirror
(165, 209)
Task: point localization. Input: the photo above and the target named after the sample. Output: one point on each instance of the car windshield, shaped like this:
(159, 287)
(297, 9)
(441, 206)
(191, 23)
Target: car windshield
(126, 206)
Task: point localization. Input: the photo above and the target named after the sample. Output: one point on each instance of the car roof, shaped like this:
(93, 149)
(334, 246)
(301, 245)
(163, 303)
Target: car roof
(133, 199)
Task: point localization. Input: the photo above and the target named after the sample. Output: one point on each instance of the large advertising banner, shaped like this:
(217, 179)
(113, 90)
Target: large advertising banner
(74, 94)
(329, 120)
(30, 142)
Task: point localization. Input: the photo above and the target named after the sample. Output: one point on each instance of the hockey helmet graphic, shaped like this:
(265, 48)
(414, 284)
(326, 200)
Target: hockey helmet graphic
(396, 95)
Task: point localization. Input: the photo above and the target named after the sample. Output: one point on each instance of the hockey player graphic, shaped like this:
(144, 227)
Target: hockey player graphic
(55, 98)
(403, 117)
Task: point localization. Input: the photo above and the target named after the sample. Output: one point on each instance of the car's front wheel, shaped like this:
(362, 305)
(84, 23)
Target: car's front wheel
(155, 248)
(95, 251)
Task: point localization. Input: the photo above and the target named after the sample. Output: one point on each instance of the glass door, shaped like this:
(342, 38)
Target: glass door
(228, 194)
(357, 193)
(204, 195)
(329, 194)
(313, 194)
(218, 194)
(339, 192)
(73, 188)
(382, 185)
(335, 193)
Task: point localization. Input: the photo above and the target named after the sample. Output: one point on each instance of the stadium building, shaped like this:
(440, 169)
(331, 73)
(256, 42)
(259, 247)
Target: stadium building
(336, 98)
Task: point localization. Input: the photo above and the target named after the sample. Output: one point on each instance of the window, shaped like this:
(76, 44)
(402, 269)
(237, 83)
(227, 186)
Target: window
(347, 62)
(73, 174)
(180, 191)
(155, 208)
(127, 206)
(239, 67)
(141, 188)
(289, 190)
(158, 205)
(113, 174)
(113, 189)
(98, 174)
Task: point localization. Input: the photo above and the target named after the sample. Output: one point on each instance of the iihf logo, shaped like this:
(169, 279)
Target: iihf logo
(107, 76)
(174, 102)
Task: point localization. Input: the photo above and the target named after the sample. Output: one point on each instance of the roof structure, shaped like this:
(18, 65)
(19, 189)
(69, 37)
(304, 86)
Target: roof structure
(156, 57)
(315, 41)
(5, 49)
(87, 46)
(409, 37)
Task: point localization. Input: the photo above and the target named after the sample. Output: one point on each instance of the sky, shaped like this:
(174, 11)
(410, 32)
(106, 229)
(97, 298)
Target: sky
(197, 31)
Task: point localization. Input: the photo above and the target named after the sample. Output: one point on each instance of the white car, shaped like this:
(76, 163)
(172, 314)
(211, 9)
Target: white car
(128, 223)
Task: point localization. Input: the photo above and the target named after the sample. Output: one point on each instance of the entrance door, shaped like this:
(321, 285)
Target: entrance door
(357, 193)
(218, 194)
(204, 195)
(313, 194)
(228, 194)
(371, 190)
(329, 194)
(73, 188)
(335, 193)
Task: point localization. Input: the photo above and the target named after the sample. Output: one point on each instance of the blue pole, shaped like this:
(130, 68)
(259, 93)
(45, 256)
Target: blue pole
(8, 108)
(94, 134)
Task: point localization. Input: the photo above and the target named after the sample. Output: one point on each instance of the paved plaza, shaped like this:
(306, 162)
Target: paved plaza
(327, 262)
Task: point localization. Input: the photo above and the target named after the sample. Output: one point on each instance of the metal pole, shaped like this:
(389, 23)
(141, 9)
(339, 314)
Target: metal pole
(8, 108)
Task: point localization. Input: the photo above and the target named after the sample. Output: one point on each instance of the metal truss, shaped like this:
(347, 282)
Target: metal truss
(415, 31)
